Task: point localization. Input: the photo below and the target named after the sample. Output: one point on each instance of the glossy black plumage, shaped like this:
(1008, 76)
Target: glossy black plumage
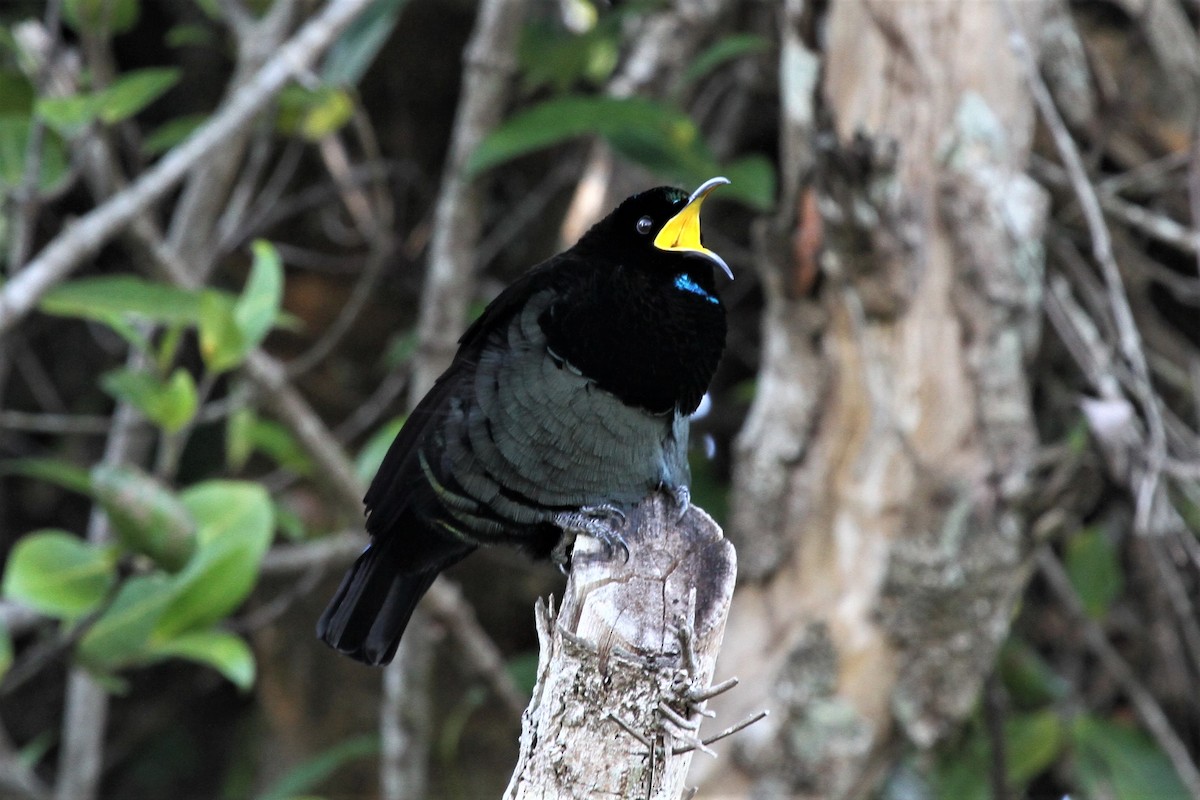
(568, 399)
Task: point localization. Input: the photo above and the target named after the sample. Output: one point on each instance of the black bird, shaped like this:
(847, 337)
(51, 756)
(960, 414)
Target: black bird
(566, 404)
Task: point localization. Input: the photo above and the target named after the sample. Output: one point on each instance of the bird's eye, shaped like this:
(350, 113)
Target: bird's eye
(644, 225)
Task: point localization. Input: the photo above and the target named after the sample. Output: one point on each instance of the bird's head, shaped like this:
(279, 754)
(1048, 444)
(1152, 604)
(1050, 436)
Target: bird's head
(659, 226)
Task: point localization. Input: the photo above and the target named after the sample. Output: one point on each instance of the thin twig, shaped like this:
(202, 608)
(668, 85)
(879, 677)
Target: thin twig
(33, 422)
(1127, 332)
(730, 731)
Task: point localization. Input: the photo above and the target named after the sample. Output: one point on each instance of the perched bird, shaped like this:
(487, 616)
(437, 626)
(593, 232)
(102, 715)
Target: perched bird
(566, 404)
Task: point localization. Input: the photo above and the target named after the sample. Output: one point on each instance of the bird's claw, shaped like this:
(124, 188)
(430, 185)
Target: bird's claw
(682, 496)
(602, 523)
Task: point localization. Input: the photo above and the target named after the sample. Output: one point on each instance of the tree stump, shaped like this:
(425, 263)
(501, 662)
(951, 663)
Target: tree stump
(625, 664)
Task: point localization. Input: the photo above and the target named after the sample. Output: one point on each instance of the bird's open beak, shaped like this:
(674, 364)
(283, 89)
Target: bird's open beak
(682, 231)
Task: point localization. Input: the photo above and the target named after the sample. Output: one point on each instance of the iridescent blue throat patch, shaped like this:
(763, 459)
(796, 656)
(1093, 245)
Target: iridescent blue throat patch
(684, 281)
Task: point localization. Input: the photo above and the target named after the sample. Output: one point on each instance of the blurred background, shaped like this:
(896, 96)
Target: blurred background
(954, 436)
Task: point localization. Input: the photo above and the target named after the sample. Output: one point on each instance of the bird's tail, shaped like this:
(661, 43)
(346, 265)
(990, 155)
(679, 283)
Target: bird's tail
(375, 601)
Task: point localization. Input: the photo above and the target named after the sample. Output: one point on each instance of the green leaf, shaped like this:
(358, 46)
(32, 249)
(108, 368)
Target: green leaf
(222, 344)
(16, 94)
(752, 181)
(185, 35)
(68, 115)
(277, 442)
(1030, 681)
(171, 133)
(171, 404)
(133, 91)
(1095, 571)
(305, 776)
(6, 651)
(290, 523)
(646, 128)
(653, 134)
(238, 442)
(103, 298)
(225, 652)
(353, 52)
(551, 56)
(522, 668)
(14, 145)
(147, 516)
(372, 453)
(51, 470)
(313, 114)
(1120, 762)
(1032, 743)
(59, 574)
(722, 51)
(104, 17)
(257, 308)
(119, 637)
(236, 523)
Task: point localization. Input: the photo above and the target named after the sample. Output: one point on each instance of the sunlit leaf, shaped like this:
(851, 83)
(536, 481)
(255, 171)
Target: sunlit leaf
(147, 517)
(170, 404)
(257, 308)
(122, 295)
(59, 574)
(313, 114)
(236, 521)
(222, 344)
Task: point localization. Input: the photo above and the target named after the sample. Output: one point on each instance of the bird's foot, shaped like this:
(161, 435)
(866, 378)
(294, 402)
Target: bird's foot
(602, 523)
(682, 496)
(561, 554)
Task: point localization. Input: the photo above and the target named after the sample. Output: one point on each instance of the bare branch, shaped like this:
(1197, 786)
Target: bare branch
(490, 62)
(625, 665)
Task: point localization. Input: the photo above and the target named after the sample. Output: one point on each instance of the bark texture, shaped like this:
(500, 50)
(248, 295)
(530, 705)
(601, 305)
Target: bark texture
(632, 638)
(881, 471)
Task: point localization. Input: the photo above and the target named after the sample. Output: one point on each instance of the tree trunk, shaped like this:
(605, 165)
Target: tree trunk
(881, 471)
(625, 663)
